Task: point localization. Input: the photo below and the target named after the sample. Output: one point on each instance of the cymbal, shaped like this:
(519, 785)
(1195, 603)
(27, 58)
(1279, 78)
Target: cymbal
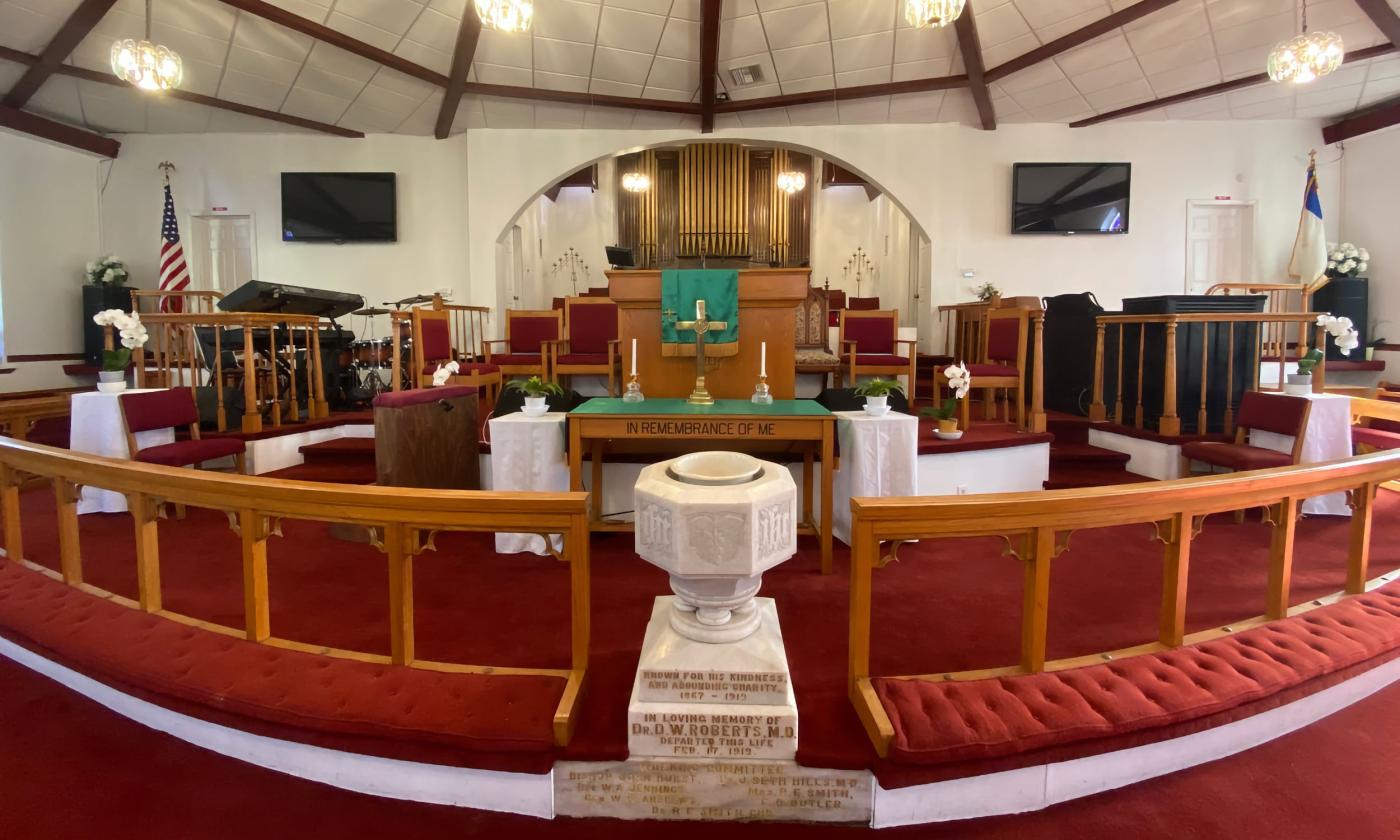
(373, 310)
(410, 301)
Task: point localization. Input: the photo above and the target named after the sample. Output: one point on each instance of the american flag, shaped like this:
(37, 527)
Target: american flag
(174, 274)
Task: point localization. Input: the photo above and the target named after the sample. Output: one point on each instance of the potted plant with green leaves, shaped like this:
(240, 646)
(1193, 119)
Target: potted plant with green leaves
(877, 392)
(1376, 341)
(131, 333)
(1347, 339)
(959, 382)
(536, 391)
(986, 291)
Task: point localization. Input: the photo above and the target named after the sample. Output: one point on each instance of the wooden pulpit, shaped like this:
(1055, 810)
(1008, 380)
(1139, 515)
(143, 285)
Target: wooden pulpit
(768, 301)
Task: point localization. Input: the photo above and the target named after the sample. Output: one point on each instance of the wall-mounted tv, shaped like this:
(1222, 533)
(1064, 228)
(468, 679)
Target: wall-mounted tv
(339, 207)
(1070, 198)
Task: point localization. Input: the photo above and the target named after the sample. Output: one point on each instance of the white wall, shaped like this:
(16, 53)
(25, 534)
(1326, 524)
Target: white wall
(1371, 204)
(844, 219)
(242, 173)
(48, 232)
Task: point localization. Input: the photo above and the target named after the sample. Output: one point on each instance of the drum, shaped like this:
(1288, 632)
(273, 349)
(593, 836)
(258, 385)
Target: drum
(383, 353)
(365, 351)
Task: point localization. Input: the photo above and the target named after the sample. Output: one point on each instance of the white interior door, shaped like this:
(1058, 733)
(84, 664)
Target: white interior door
(1219, 244)
(224, 252)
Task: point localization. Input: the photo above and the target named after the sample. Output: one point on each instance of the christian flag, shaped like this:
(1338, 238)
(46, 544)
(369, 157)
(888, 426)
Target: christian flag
(174, 274)
(1309, 261)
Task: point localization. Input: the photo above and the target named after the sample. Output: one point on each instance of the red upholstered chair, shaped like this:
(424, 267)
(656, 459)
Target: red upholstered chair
(1001, 365)
(868, 341)
(146, 411)
(590, 340)
(1376, 423)
(1278, 413)
(596, 291)
(557, 303)
(432, 346)
(863, 304)
(525, 350)
(835, 303)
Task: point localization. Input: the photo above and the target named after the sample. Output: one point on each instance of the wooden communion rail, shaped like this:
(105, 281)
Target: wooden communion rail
(1037, 527)
(402, 520)
(1281, 298)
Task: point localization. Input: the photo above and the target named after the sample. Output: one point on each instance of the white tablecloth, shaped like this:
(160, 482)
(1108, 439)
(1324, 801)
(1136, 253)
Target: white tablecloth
(96, 428)
(879, 457)
(527, 453)
(1328, 437)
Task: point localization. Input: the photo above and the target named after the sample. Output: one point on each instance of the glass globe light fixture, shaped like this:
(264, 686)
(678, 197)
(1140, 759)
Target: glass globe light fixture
(636, 182)
(505, 15)
(147, 65)
(1309, 56)
(791, 182)
(923, 14)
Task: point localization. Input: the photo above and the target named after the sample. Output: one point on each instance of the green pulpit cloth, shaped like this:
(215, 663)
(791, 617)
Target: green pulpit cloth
(680, 289)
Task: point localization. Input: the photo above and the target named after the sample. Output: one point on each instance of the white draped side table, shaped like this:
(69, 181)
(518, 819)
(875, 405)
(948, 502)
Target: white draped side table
(527, 453)
(879, 457)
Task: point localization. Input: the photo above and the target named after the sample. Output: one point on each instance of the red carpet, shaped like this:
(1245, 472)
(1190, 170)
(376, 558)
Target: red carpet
(72, 769)
(947, 605)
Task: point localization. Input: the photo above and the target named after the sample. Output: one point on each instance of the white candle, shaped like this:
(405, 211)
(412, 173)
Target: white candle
(763, 359)
(634, 357)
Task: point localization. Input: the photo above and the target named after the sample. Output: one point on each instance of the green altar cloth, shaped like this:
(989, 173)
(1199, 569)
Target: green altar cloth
(779, 408)
(680, 289)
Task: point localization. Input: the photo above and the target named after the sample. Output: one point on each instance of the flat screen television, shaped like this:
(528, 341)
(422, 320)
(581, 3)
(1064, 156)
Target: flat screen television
(339, 207)
(1070, 198)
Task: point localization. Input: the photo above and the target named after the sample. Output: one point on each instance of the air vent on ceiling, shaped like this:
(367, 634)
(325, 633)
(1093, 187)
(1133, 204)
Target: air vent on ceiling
(750, 75)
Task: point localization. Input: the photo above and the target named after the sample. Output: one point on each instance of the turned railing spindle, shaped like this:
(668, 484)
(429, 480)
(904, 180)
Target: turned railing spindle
(1228, 419)
(1142, 349)
(1359, 551)
(1320, 372)
(397, 539)
(396, 364)
(293, 413)
(274, 397)
(1176, 568)
(1285, 530)
(143, 516)
(1096, 408)
(220, 413)
(1035, 600)
(70, 557)
(1169, 423)
(1205, 372)
(252, 419)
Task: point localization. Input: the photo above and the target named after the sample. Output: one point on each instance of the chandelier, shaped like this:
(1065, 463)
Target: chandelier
(1306, 57)
(505, 15)
(146, 65)
(791, 182)
(932, 13)
(636, 182)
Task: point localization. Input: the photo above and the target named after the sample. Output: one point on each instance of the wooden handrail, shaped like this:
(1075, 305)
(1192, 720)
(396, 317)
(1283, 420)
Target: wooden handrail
(192, 302)
(397, 518)
(18, 416)
(1037, 527)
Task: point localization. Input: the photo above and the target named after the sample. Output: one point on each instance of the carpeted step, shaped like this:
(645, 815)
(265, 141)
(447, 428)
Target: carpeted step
(328, 471)
(1065, 454)
(1090, 475)
(1067, 428)
(339, 449)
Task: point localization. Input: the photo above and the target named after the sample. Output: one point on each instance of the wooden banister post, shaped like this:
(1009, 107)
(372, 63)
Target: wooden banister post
(1281, 557)
(1097, 410)
(323, 407)
(1035, 599)
(1169, 423)
(253, 530)
(70, 558)
(220, 413)
(864, 547)
(273, 394)
(143, 516)
(1176, 566)
(1359, 553)
(576, 547)
(1320, 372)
(252, 420)
(395, 363)
(1037, 419)
(396, 544)
(9, 503)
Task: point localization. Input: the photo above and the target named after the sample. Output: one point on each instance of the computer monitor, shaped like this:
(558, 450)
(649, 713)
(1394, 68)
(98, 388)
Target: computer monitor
(619, 257)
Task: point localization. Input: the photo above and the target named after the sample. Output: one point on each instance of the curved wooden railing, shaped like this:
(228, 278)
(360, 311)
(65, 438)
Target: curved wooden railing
(1037, 527)
(402, 522)
(18, 416)
(1281, 298)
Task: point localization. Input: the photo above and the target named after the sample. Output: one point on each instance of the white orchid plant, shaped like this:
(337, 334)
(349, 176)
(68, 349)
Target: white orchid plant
(1343, 333)
(444, 373)
(107, 271)
(130, 331)
(1347, 260)
(959, 382)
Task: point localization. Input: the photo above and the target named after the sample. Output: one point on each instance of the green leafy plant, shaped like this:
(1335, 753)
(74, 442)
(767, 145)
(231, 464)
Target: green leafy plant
(986, 291)
(941, 412)
(1308, 362)
(535, 387)
(879, 388)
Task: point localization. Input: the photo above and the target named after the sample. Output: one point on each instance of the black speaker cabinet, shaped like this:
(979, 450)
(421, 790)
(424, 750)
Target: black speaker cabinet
(95, 299)
(1345, 298)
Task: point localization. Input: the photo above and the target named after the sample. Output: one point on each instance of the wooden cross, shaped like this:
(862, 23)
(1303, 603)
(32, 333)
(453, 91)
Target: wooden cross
(702, 325)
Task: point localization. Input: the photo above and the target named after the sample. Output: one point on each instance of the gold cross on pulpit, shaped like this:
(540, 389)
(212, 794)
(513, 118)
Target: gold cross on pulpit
(701, 325)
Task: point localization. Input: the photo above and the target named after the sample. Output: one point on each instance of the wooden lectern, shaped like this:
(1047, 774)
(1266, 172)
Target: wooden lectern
(768, 301)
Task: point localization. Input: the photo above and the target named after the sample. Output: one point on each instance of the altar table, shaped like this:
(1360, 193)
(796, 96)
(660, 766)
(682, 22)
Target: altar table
(674, 426)
(1327, 438)
(96, 427)
(879, 457)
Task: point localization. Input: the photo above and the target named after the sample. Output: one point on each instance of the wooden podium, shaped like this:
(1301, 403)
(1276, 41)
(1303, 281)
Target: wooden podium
(768, 300)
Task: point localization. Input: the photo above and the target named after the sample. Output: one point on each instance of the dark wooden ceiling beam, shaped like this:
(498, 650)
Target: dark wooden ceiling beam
(69, 35)
(468, 34)
(842, 94)
(1216, 89)
(1079, 36)
(104, 78)
(1365, 121)
(573, 97)
(971, 46)
(1384, 17)
(57, 132)
(709, 62)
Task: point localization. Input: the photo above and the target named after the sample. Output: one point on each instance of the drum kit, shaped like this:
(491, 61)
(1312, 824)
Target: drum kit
(368, 363)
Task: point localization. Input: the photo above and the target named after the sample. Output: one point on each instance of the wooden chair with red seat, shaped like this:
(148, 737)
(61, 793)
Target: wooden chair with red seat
(1278, 413)
(863, 304)
(147, 411)
(527, 331)
(835, 304)
(590, 342)
(432, 346)
(1001, 365)
(868, 341)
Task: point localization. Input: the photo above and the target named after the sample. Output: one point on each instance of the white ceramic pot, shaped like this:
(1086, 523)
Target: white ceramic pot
(875, 406)
(536, 406)
(1370, 354)
(1298, 384)
(111, 381)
